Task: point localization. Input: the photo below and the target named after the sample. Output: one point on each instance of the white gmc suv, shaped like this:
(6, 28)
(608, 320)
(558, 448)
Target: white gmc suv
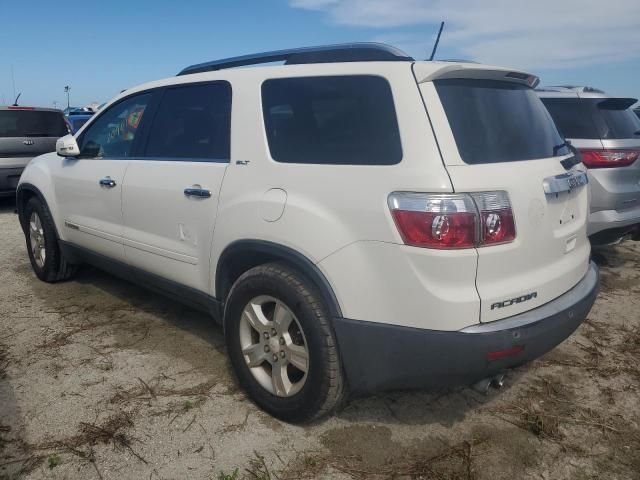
(356, 220)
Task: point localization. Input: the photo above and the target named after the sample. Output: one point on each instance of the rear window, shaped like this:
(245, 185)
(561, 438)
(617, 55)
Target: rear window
(345, 120)
(32, 123)
(496, 121)
(594, 118)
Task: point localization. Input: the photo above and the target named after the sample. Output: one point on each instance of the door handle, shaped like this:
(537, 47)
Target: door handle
(197, 191)
(107, 182)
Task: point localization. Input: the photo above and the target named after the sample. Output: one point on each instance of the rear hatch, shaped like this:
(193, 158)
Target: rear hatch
(496, 135)
(607, 132)
(27, 132)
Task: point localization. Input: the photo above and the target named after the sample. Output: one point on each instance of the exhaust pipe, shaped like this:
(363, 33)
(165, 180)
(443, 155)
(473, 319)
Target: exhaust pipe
(497, 382)
(483, 385)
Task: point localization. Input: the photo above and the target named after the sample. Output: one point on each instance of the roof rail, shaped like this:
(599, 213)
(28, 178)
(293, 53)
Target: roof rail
(348, 52)
(455, 60)
(572, 88)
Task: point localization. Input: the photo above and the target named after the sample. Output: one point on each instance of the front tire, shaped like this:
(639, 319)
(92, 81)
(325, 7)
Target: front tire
(281, 344)
(47, 260)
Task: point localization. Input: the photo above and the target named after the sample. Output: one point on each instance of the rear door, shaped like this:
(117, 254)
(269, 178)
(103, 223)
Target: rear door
(496, 135)
(26, 133)
(171, 192)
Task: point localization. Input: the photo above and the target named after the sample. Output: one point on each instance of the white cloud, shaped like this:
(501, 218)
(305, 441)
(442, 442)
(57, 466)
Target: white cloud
(540, 34)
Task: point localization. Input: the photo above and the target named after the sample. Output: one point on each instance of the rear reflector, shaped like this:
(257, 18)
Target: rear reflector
(608, 158)
(453, 221)
(509, 352)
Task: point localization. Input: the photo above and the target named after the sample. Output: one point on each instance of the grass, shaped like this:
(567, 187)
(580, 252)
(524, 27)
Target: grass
(229, 476)
(53, 461)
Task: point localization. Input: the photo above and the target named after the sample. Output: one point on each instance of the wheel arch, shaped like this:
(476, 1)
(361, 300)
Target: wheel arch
(24, 192)
(242, 255)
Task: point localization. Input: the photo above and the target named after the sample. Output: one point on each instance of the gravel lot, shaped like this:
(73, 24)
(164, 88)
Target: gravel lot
(102, 379)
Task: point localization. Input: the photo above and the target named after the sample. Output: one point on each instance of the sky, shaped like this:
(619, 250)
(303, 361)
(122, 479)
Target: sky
(99, 48)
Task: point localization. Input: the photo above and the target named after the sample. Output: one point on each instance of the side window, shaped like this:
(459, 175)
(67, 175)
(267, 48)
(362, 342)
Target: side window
(345, 120)
(112, 135)
(193, 122)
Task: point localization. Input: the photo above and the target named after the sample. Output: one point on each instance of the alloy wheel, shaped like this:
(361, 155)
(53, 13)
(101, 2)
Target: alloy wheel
(37, 240)
(274, 346)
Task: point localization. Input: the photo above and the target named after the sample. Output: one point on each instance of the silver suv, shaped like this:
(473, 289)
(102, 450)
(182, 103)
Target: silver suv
(607, 133)
(25, 133)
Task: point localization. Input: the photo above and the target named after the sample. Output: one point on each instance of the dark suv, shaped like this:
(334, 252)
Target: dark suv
(25, 133)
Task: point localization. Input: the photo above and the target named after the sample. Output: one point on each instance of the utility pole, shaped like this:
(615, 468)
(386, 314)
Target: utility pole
(67, 89)
(55, 104)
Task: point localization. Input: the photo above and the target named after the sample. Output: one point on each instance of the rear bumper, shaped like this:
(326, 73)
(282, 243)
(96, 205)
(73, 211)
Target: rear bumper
(605, 220)
(379, 356)
(9, 180)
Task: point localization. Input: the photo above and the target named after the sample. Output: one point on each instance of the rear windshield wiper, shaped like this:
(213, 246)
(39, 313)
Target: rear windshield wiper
(568, 163)
(557, 148)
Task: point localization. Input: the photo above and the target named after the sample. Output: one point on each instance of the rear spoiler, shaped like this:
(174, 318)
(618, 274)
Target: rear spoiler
(617, 103)
(425, 72)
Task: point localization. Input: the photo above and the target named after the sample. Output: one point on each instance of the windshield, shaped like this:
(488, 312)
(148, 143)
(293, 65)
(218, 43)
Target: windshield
(31, 123)
(495, 121)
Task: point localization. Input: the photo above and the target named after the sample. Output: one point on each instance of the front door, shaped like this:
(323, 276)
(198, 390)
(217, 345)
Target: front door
(170, 194)
(89, 187)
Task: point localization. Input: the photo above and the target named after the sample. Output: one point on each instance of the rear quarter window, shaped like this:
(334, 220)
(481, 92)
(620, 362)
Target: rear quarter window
(498, 121)
(339, 120)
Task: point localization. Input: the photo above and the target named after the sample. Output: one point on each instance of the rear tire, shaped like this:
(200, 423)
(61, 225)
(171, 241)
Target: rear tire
(47, 260)
(267, 297)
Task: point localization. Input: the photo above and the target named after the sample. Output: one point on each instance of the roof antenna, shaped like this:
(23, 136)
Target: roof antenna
(435, 46)
(15, 104)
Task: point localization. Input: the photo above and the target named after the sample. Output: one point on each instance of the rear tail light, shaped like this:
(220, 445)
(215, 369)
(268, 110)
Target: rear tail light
(496, 218)
(608, 158)
(453, 221)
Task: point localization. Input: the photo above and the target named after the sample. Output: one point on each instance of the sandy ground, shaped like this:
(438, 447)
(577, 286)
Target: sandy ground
(102, 379)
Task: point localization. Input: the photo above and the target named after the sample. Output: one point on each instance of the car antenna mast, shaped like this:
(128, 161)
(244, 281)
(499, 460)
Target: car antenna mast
(15, 104)
(435, 45)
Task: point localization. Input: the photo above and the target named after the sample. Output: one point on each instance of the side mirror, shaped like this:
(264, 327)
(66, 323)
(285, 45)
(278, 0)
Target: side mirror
(67, 146)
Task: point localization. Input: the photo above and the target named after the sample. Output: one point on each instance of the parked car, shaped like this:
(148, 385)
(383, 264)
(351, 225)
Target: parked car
(637, 111)
(77, 119)
(25, 132)
(607, 133)
(356, 220)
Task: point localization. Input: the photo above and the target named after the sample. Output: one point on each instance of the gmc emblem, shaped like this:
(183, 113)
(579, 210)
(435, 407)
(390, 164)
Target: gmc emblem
(508, 303)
